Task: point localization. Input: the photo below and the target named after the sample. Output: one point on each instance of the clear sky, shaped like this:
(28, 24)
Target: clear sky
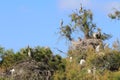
(36, 22)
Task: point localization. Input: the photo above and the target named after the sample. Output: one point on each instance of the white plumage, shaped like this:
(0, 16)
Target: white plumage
(97, 48)
(82, 62)
(12, 71)
(106, 45)
(29, 53)
(96, 35)
(89, 71)
(70, 59)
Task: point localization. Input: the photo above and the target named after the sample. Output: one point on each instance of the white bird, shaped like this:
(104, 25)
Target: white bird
(106, 45)
(97, 35)
(97, 48)
(89, 71)
(94, 35)
(29, 53)
(12, 71)
(82, 62)
(70, 59)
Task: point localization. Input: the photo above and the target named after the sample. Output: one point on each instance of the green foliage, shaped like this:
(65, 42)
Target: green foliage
(7, 59)
(10, 58)
(81, 21)
(115, 15)
(106, 62)
(56, 63)
(1, 50)
(41, 54)
(66, 31)
(105, 36)
(42, 57)
(116, 76)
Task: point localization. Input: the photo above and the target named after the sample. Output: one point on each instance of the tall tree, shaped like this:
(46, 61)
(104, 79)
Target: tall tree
(81, 21)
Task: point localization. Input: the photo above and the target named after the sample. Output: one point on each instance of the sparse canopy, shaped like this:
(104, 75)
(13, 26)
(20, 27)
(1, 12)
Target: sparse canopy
(115, 15)
(81, 21)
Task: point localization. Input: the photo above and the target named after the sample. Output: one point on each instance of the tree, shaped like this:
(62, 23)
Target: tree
(115, 14)
(81, 21)
(41, 54)
(66, 31)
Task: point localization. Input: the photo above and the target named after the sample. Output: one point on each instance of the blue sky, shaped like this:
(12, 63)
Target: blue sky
(36, 22)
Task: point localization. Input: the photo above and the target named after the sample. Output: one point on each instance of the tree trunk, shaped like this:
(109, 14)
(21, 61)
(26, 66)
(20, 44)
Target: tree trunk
(87, 36)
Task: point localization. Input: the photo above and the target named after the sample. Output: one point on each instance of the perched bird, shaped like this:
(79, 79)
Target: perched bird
(89, 71)
(61, 22)
(29, 51)
(97, 35)
(82, 62)
(97, 48)
(12, 71)
(70, 59)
